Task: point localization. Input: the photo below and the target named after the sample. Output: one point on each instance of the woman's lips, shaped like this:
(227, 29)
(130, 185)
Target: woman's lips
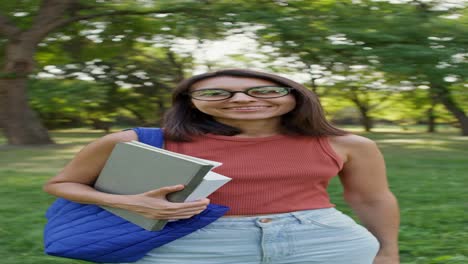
(247, 107)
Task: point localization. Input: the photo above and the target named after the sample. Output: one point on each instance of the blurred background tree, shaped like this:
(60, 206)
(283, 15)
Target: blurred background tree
(104, 63)
(420, 44)
(50, 32)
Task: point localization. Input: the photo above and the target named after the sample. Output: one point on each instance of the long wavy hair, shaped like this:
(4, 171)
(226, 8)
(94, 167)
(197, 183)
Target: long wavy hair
(183, 121)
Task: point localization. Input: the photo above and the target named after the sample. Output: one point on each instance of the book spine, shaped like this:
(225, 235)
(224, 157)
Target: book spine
(180, 196)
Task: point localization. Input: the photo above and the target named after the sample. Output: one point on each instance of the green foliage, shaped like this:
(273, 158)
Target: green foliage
(406, 42)
(107, 37)
(411, 107)
(68, 103)
(460, 94)
(21, 13)
(134, 85)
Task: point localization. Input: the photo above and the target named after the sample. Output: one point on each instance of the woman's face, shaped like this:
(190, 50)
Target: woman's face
(242, 106)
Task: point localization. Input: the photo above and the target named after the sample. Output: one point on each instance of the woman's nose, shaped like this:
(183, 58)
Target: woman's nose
(242, 97)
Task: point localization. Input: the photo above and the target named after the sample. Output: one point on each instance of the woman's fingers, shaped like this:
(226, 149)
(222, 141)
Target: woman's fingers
(187, 205)
(162, 192)
(153, 204)
(157, 208)
(185, 211)
(176, 212)
(158, 214)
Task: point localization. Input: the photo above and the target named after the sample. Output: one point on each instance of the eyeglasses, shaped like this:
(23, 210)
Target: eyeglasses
(217, 94)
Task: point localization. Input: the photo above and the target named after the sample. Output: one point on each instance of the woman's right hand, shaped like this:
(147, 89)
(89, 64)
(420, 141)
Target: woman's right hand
(153, 204)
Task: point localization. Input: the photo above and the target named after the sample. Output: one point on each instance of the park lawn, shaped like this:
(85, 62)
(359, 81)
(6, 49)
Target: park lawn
(427, 173)
(23, 171)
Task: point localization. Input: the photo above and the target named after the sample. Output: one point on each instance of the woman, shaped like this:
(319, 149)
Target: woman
(271, 135)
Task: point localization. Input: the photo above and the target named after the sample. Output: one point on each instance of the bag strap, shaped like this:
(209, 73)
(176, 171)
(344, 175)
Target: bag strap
(153, 136)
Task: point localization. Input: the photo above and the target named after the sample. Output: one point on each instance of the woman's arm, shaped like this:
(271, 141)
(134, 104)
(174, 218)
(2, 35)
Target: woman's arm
(75, 182)
(366, 191)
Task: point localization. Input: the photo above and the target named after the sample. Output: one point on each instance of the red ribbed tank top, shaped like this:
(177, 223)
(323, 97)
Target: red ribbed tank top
(275, 174)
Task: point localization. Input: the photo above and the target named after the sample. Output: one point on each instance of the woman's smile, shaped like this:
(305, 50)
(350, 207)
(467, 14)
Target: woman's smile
(247, 108)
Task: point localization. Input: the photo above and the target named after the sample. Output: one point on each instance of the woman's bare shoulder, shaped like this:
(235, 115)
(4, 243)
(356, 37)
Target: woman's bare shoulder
(121, 136)
(106, 143)
(347, 145)
(351, 140)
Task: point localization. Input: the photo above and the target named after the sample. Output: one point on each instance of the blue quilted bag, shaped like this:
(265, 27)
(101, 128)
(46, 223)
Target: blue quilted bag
(88, 232)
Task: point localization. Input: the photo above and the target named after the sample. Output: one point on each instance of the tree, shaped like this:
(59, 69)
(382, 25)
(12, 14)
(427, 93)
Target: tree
(139, 82)
(23, 34)
(419, 41)
(430, 44)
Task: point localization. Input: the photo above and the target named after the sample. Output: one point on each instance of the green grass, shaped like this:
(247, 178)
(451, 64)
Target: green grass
(23, 171)
(429, 176)
(427, 173)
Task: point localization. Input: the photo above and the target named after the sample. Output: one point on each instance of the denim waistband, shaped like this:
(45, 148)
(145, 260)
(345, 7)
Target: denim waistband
(272, 219)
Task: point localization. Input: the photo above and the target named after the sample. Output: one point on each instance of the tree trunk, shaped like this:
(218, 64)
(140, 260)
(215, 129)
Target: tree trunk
(431, 124)
(363, 108)
(464, 125)
(20, 123)
(444, 96)
(366, 120)
(367, 123)
(459, 115)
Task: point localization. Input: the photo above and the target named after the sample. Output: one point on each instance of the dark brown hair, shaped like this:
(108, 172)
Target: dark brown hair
(182, 120)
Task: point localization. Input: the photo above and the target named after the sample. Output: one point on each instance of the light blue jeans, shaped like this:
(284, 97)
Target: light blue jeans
(312, 236)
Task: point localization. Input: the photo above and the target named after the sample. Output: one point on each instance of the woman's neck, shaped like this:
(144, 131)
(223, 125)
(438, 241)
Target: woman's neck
(255, 128)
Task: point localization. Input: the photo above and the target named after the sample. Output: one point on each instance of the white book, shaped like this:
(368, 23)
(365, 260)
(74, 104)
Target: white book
(210, 183)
